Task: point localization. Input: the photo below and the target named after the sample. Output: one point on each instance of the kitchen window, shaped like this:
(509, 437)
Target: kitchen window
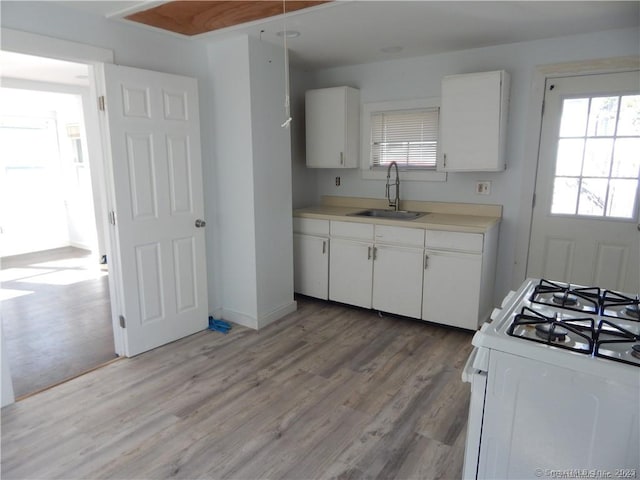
(407, 137)
(405, 132)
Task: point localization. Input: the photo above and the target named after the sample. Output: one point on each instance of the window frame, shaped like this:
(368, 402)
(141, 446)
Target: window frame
(580, 177)
(417, 174)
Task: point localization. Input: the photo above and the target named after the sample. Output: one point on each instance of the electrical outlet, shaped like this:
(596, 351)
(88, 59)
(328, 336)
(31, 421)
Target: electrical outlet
(483, 188)
(337, 181)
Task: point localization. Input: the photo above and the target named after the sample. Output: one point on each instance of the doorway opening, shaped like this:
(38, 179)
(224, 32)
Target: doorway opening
(56, 314)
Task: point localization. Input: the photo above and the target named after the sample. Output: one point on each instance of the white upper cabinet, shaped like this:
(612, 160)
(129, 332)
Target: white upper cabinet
(473, 119)
(332, 118)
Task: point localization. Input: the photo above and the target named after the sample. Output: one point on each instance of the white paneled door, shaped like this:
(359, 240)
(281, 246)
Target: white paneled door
(585, 222)
(154, 132)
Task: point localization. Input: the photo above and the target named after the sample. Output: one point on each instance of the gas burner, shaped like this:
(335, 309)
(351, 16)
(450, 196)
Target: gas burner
(618, 343)
(551, 332)
(562, 295)
(575, 334)
(633, 310)
(618, 305)
(564, 299)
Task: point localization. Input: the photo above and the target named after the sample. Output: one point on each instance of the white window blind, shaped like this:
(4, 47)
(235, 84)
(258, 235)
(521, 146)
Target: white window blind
(408, 137)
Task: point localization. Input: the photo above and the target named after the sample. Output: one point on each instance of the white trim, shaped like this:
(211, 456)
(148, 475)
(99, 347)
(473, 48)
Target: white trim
(97, 138)
(252, 322)
(42, 46)
(20, 84)
(8, 396)
(532, 143)
(238, 318)
(365, 148)
(277, 314)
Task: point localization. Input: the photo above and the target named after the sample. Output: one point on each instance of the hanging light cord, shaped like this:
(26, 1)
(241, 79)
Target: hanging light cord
(287, 101)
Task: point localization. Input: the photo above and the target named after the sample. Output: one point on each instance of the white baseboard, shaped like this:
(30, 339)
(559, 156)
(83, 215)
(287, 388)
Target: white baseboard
(238, 318)
(255, 323)
(217, 312)
(277, 314)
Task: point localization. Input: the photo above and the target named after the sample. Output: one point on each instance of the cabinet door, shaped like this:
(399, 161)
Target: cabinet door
(325, 127)
(470, 122)
(451, 290)
(397, 280)
(351, 272)
(311, 265)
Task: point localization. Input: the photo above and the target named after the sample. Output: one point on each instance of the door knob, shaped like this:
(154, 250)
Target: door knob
(200, 223)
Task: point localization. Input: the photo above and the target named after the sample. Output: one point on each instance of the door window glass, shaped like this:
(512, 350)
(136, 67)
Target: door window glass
(597, 161)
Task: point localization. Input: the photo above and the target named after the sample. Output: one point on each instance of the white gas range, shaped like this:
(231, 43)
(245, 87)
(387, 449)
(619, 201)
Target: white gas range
(555, 386)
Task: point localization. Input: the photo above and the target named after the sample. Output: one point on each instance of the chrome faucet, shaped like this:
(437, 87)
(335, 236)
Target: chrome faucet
(396, 201)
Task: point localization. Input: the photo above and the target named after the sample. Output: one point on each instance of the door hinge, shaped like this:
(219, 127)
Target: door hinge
(123, 322)
(101, 103)
(112, 217)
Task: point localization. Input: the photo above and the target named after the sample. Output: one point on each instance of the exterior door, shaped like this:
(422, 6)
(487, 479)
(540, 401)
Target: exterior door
(585, 220)
(154, 133)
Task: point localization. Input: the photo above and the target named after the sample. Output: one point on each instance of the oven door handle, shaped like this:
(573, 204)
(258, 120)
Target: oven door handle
(468, 370)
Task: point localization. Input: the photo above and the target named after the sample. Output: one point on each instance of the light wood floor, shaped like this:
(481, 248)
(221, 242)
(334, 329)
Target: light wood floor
(56, 316)
(327, 392)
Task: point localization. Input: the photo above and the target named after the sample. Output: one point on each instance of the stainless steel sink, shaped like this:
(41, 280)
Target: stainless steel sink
(393, 214)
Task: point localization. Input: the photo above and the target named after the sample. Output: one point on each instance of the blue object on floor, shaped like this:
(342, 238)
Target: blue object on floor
(219, 325)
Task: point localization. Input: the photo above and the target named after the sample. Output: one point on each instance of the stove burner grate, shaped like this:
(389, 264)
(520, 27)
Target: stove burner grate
(617, 305)
(610, 334)
(551, 331)
(578, 299)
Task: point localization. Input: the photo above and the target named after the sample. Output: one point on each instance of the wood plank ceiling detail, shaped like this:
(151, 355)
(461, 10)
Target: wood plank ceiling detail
(195, 17)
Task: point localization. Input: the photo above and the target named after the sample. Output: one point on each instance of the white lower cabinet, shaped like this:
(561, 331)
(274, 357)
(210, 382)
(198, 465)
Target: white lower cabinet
(377, 266)
(311, 257)
(351, 272)
(397, 280)
(311, 265)
(439, 276)
(451, 290)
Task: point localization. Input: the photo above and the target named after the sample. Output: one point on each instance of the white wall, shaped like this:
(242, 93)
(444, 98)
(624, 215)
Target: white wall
(420, 77)
(271, 181)
(234, 212)
(253, 162)
(305, 184)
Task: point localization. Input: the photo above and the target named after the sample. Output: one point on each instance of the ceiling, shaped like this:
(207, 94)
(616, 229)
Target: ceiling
(347, 32)
(195, 17)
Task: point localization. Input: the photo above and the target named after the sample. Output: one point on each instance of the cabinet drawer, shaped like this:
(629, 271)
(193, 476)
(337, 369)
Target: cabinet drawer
(360, 231)
(457, 241)
(400, 235)
(311, 226)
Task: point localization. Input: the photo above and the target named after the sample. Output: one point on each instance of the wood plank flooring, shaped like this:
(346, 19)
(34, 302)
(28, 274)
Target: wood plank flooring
(56, 316)
(327, 392)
